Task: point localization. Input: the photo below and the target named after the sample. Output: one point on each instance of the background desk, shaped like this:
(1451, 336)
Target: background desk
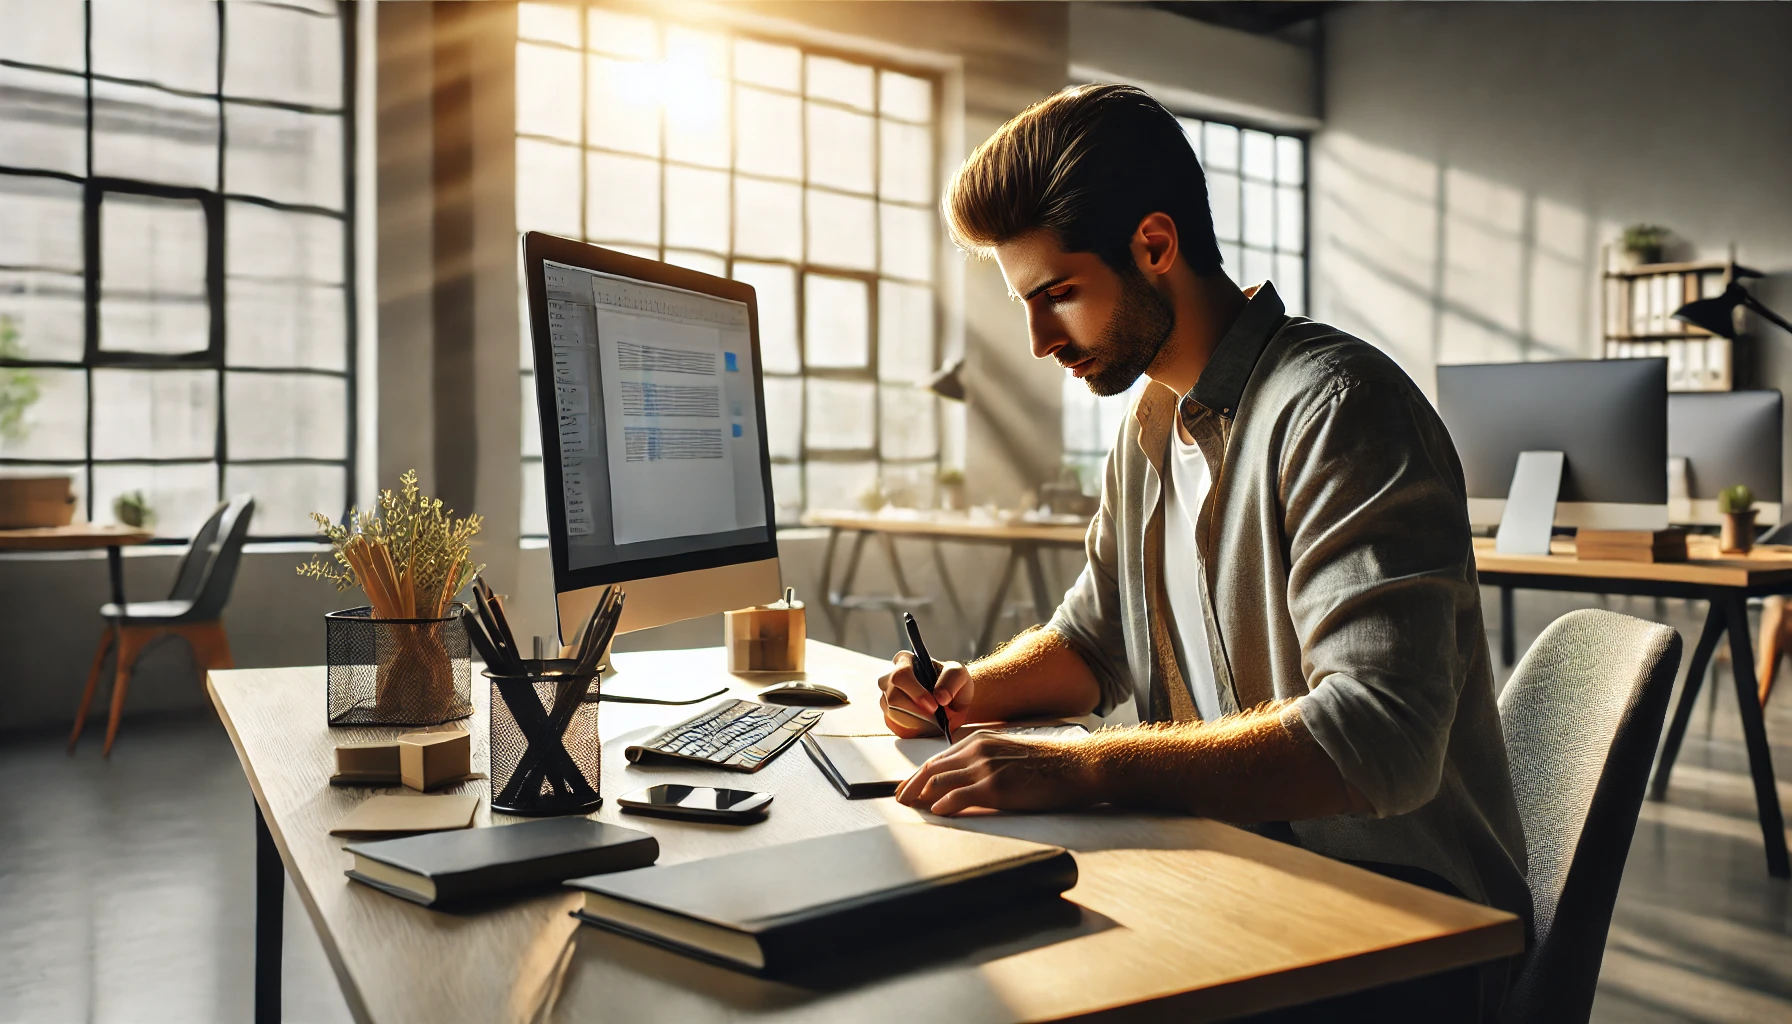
(1204, 920)
(1024, 541)
(1725, 583)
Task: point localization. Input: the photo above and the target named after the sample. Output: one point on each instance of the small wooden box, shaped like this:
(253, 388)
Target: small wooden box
(768, 638)
(430, 759)
(1630, 545)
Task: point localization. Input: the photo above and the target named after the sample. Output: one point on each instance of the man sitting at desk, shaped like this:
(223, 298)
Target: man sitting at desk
(1281, 574)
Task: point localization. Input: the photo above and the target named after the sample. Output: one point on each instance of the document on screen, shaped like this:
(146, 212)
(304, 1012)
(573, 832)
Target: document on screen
(671, 468)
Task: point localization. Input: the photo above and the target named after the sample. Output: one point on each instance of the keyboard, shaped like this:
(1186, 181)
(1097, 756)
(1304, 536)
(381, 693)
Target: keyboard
(740, 735)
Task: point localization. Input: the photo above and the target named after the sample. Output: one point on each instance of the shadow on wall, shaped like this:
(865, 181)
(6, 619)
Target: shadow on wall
(1436, 265)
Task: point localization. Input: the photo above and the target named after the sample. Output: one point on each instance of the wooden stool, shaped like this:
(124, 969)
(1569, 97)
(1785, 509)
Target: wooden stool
(211, 649)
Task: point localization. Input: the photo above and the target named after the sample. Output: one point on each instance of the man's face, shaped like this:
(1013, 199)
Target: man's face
(1106, 328)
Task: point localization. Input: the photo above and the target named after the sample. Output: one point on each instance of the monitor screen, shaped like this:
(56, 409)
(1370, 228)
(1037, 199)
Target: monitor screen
(655, 427)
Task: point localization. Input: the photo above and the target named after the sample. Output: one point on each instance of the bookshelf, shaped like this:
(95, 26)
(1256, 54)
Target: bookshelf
(1638, 304)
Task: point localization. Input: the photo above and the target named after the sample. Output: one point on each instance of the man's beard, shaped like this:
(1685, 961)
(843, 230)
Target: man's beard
(1130, 342)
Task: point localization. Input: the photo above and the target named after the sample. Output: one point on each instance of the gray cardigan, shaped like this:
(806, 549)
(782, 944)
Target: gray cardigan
(1335, 567)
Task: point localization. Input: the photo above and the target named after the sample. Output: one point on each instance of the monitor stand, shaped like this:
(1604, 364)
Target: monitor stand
(1530, 504)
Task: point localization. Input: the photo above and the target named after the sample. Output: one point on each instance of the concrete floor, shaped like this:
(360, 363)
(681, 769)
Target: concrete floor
(126, 886)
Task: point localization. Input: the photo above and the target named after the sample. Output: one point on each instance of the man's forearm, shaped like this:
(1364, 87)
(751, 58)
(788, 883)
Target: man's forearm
(1246, 768)
(1036, 675)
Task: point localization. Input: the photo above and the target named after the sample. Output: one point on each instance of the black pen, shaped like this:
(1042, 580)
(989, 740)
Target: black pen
(925, 670)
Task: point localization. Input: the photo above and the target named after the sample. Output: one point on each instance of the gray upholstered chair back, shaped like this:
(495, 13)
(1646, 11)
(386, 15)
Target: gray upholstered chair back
(208, 569)
(1582, 715)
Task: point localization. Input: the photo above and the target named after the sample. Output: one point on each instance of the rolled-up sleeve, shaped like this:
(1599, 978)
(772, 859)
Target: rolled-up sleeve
(1089, 618)
(1380, 584)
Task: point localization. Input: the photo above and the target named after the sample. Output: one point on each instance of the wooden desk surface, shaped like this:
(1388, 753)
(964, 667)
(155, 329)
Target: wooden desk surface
(1212, 919)
(73, 537)
(1704, 566)
(958, 526)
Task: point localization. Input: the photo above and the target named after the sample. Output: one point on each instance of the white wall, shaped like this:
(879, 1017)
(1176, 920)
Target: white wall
(1193, 66)
(1477, 155)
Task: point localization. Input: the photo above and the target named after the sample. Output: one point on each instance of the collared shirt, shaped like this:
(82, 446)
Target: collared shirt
(1336, 568)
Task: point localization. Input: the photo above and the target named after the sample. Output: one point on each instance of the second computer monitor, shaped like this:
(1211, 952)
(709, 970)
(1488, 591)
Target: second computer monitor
(1725, 438)
(1607, 416)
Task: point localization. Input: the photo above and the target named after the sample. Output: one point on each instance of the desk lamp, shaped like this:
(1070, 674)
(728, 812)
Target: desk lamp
(949, 381)
(1718, 315)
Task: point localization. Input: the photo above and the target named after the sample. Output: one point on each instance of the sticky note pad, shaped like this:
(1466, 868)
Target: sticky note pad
(737, 430)
(731, 362)
(408, 814)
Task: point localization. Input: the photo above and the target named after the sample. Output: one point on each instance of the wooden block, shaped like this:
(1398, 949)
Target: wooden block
(1630, 545)
(765, 639)
(367, 757)
(430, 759)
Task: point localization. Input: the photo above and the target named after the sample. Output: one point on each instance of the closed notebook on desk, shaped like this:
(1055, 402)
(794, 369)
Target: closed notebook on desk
(861, 767)
(779, 907)
(456, 867)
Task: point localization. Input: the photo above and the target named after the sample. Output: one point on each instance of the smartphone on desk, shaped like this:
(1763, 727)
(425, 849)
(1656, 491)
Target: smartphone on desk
(698, 803)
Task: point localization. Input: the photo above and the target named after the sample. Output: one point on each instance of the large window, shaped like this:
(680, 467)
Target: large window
(176, 262)
(808, 175)
(1256, 184)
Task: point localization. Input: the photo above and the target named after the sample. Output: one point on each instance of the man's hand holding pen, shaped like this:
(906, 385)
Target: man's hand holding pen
(907, 706)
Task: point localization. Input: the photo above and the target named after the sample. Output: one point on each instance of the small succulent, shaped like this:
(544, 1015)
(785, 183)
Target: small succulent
(132, 509)
(1732, 500)
(951, 477)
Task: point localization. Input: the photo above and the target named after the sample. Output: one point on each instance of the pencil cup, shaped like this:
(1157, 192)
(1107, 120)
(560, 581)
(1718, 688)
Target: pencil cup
(396, 671)
(545, 753)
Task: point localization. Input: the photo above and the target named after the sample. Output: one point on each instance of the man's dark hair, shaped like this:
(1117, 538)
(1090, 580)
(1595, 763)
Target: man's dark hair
(1088, 163)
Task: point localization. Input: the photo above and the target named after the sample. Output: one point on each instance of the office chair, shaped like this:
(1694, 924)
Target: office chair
(193, 611)
(1582, 715)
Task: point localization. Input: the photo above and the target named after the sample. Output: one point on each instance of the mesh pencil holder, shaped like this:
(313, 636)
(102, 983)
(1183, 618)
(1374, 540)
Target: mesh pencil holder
(396, 671)
(545, 753)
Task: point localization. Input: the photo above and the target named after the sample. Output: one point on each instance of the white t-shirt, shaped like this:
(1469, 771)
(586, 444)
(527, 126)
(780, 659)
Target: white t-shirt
(1185, 488)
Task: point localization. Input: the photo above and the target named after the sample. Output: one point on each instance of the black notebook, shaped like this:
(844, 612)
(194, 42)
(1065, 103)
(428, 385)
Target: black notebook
(455, 867)
(781, 906)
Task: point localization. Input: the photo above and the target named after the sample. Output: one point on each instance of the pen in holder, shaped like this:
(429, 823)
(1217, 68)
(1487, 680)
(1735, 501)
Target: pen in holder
(545, 751)
(766, 638)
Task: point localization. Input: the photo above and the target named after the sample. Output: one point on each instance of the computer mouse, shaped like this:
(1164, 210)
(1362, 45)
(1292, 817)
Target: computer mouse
(804, 693)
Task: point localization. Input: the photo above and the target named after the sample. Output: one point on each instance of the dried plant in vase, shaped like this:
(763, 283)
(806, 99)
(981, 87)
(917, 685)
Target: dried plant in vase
(410, 556)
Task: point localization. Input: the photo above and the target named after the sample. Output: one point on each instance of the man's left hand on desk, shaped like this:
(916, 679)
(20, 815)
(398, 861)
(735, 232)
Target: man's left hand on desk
(1003, 772)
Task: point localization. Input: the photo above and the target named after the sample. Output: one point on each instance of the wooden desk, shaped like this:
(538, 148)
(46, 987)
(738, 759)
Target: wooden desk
(1725, 583)
(1201, 920)
(1024, 541)
(80, 537)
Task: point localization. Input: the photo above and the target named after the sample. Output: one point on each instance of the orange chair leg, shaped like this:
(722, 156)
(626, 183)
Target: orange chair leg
(211, 648)
(1773, 635)
(131, 642)
(93, 682)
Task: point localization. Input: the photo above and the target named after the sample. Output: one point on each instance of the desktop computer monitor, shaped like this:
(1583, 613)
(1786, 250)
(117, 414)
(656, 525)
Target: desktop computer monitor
(652, 435)
(1607, 416)
(1719, 439)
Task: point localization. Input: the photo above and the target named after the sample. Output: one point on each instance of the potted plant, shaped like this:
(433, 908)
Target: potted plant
(1643, 242)
(1738, 531)
(951, 490)
(132, 509)
(411, 557)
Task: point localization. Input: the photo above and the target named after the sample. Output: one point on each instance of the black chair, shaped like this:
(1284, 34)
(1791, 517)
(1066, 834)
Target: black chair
(1582, 715)
(194, 610)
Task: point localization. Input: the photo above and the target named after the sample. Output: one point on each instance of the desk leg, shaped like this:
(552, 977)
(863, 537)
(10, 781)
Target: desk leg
(994, 615)
(270, 899)
(1042, 597)
(1508, 642)
(1689, 698)
(827, 582)
(946, 584)
(1754, 732)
